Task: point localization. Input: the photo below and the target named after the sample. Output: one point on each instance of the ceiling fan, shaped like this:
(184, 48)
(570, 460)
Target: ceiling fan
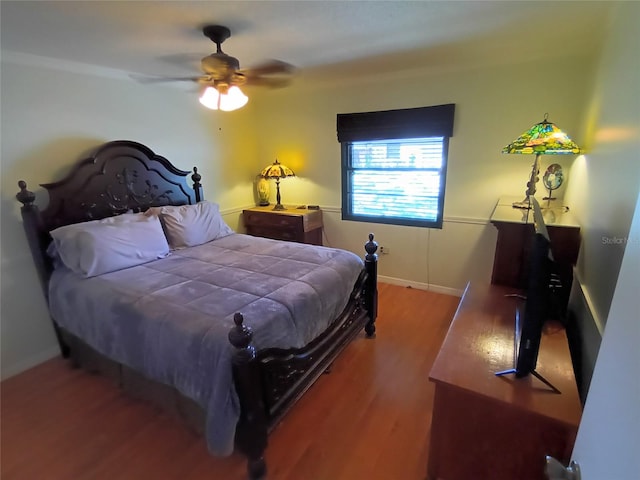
(222, 75)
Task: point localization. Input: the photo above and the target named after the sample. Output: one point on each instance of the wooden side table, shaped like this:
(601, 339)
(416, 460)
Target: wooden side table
(293, 224)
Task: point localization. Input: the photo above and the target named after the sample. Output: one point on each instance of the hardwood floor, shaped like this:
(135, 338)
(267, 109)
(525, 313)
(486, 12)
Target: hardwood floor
(367, 419)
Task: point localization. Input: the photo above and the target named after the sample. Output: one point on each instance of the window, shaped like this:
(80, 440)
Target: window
(394, 165)
(396, 181)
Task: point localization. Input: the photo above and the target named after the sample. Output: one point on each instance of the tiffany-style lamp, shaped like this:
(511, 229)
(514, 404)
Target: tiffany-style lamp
(543, 138)
(277, 170)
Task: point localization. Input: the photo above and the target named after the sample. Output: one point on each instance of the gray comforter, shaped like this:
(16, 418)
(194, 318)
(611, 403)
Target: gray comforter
(169, 319)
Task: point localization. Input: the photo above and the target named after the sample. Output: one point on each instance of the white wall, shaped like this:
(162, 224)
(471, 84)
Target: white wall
(606, 180)
(609, 434)
(50, 119)
(493, 106)
(605, 185)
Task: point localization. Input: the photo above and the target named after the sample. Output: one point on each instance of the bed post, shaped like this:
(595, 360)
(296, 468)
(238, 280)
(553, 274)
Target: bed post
(197, 186)
(38, 239)
(252, 428)
(371, 285)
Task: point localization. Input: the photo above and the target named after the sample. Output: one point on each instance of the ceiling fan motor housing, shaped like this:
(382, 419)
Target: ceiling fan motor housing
(219, 65)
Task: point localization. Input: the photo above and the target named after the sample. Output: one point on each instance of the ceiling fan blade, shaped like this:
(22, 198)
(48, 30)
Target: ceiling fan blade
(270, 82)
(145, 79)
(271, 67)
(273, 74)
(185, 61)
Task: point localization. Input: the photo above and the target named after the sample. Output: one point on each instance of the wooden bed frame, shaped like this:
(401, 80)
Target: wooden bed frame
(124, 175)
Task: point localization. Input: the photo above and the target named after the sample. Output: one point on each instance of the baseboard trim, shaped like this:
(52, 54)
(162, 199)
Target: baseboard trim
(421, 286)
(30, 362)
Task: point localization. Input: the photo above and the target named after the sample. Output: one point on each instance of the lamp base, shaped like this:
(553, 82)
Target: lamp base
(531, 185)
(524, 204)
(279, 206)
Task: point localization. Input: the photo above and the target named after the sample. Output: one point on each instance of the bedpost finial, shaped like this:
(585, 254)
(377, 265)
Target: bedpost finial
(24, 196)
(196, 177)
(240, 335)
(197, 186)
(371, 246)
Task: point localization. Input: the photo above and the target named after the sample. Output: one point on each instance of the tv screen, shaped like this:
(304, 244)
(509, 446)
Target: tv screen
(536, 306)
(542, 287)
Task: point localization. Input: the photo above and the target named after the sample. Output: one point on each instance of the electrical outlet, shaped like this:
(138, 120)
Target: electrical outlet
(384, 250)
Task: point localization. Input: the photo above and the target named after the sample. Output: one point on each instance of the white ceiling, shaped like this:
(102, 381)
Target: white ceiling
(343, 37)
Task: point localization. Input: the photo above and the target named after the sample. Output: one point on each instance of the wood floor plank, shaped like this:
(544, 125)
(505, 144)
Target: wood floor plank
(368, 418)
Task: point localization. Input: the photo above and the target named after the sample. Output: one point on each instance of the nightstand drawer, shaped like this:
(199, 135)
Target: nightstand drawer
(291, 224)
(288, 234)
(272, 220)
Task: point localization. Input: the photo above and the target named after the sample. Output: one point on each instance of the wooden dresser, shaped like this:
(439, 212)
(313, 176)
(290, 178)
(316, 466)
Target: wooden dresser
(294, 224)
(498, 427)
(515, 232)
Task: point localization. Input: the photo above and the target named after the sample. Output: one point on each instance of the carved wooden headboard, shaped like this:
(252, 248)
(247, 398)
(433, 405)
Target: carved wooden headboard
(119, 176)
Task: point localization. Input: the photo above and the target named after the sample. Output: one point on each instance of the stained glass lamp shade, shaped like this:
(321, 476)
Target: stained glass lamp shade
(544, 138)
(277, 170)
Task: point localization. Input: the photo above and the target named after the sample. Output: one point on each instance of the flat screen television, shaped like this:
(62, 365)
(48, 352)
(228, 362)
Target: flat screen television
(543, 286)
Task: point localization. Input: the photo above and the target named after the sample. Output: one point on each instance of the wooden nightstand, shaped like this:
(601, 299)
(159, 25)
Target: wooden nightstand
(292, 224)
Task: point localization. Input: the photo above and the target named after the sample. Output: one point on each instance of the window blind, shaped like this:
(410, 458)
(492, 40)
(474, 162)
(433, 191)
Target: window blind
(396, 178)
(421, 122)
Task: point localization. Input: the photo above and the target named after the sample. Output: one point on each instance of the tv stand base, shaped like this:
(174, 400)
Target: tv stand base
(532, 372)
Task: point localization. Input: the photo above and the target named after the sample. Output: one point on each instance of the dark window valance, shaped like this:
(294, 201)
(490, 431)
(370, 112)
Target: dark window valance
(419, 122)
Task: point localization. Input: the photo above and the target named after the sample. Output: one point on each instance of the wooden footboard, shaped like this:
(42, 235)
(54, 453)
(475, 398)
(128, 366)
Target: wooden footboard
(270, 381)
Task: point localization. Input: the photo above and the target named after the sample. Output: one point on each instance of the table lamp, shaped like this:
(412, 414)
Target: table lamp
(543, 138)
(277, 170)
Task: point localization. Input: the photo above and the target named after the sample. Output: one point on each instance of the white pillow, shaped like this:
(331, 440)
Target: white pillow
(94, 248)
(191, 225)
(63, 237)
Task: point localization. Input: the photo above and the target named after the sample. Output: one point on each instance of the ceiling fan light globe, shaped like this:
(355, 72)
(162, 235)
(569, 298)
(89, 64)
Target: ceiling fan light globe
(210, 98)
(232, 100)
